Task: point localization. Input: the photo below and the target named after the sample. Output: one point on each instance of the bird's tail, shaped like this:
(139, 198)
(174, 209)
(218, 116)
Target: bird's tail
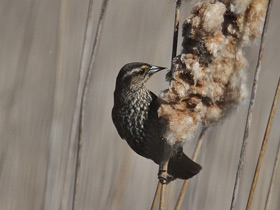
(183, 167)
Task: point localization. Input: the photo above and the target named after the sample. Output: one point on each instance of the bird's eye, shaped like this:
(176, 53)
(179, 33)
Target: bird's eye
(142, 71)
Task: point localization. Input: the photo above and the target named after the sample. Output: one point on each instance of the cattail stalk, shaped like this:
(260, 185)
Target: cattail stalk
(174, 52)
(186, 182)
(273, 178)
(263, 148)
(250, 110)
(156, 196)
(176, 28)
(84, 81)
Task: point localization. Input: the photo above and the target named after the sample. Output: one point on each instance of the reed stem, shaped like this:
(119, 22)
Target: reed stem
(273, 177)
(250, 111)
(263, 148)
(186, 182)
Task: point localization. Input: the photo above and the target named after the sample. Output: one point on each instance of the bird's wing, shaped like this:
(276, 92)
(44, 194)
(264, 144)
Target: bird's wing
(115, 119)
(153, 147)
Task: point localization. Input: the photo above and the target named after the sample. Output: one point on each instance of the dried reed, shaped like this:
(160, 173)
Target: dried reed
(83, 85)
(161, 189)
(156, 196)
(176, 28)
(208, 79)
(263, 148)
(186, 182)
(250, 110)
(273, 177)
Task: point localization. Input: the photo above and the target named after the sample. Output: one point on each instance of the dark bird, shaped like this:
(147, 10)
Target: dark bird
(136, 119)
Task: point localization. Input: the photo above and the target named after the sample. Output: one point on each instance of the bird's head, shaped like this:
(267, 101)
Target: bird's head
(136, 74)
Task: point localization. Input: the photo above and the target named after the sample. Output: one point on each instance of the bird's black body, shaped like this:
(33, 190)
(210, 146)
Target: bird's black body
(135, 117)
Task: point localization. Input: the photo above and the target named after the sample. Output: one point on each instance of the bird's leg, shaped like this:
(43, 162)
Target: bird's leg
(162, 174)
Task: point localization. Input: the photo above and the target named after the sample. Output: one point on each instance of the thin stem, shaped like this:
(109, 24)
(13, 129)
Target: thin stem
(250, 111)
(176, 28)
(273, 177)
(174, 52)
(163, 173)
(157, 193)
(186, 182)
(84, 82)
(263, 148)
(163, 189)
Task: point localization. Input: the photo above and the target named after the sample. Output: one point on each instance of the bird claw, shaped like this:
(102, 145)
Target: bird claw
(164, 180)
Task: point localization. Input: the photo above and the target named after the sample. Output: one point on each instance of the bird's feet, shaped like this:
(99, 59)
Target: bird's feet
(164, 179)
(163, 176)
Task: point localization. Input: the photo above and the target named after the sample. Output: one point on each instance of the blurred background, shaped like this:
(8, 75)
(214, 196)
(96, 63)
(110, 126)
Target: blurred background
(45, 50)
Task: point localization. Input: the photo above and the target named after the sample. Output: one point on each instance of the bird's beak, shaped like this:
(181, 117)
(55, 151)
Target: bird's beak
(155, 69)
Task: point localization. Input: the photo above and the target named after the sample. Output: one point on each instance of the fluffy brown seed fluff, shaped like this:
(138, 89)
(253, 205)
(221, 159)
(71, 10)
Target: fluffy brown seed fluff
(208, 79)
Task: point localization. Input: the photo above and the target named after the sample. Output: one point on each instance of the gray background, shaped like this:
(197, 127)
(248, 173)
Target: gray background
(41, 45)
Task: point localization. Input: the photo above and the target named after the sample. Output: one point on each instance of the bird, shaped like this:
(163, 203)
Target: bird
(135, 117)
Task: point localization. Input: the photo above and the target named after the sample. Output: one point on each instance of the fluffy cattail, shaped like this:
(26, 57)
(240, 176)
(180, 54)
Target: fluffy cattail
(208, 79)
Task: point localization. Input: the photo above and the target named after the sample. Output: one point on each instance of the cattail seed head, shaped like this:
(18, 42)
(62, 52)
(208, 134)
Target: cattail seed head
(208, 79)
